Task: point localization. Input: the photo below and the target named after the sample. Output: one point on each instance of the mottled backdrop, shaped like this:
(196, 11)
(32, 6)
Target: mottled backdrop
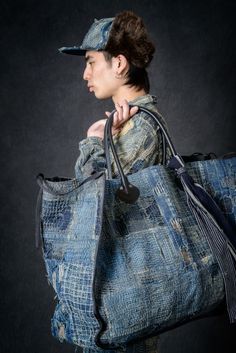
(46, 109)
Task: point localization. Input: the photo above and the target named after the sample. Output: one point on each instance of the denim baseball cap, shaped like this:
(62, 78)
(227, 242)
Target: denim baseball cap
(95, 39)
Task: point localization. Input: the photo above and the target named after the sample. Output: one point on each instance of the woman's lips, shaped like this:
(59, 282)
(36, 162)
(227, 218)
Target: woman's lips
(90, 88)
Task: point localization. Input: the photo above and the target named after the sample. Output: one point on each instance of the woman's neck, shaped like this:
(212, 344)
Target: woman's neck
(128, 93)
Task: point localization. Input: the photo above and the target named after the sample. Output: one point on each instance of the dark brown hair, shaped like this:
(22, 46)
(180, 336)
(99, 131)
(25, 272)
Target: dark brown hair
(129, 37)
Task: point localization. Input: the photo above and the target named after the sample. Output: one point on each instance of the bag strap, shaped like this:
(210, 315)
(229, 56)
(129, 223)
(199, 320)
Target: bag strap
(108, 140)
(128, 192)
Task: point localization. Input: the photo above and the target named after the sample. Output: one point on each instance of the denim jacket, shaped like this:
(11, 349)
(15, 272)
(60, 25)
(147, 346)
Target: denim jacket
(138, 144)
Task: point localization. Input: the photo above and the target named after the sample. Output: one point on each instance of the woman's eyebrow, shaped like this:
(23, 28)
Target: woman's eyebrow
(88, 57)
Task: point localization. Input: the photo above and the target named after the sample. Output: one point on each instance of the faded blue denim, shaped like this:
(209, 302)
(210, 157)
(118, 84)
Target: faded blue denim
(153, 266)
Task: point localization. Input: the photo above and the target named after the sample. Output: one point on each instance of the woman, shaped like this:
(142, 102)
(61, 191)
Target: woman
(117, 52)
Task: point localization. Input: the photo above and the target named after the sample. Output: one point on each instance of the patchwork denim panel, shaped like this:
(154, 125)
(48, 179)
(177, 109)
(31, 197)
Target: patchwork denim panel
(70, 234)
(156, 267)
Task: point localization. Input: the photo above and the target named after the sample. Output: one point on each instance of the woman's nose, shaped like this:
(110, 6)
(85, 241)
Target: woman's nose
(86, 74)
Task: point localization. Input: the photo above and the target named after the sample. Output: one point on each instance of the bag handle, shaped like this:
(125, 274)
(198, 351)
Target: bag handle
(128, 192)
(106, 147)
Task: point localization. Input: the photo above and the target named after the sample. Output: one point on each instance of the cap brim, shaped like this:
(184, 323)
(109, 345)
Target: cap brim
(72, 50)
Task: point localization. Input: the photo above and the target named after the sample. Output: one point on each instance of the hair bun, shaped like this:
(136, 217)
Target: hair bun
(129, 37)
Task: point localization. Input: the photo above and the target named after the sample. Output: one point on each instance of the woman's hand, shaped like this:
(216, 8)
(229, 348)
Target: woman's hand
(122, 114)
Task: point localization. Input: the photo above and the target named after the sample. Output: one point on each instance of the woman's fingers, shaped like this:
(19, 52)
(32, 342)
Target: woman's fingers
(122, 111)
(97, 129)
(133, 111)
(118, 116)
(125, 109)
(122, 114)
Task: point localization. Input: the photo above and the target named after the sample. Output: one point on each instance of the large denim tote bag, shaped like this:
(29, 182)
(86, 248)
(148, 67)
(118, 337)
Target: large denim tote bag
(137, 255)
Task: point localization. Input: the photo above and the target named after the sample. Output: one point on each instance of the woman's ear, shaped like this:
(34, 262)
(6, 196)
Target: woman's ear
(121, 64)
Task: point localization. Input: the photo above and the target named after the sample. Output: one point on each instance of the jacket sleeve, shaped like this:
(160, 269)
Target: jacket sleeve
(91, 157)
(137, 146)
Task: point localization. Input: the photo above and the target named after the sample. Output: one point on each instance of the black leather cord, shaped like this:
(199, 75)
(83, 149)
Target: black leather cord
(128, 192)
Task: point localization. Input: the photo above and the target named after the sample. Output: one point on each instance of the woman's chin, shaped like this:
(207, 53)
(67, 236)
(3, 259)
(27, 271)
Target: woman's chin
(100, 95)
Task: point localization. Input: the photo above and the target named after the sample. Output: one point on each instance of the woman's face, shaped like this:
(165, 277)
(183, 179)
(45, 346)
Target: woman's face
(100, 75)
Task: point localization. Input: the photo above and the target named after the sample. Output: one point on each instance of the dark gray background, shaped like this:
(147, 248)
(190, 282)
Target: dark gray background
(46, 109)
